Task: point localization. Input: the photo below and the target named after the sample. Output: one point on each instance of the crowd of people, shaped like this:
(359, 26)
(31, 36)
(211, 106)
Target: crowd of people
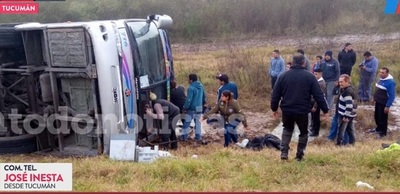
(299, 89)
(294, 94)
(190, 106)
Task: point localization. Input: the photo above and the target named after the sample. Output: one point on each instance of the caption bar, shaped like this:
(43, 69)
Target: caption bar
(35, 177)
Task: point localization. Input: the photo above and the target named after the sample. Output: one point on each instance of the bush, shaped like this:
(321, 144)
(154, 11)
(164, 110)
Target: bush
(385, 160)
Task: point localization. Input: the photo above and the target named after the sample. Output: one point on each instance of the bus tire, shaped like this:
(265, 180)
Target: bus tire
(21, 144)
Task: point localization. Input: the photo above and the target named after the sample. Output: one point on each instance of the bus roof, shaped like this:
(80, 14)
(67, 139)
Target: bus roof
(38, 26)
(162, 21)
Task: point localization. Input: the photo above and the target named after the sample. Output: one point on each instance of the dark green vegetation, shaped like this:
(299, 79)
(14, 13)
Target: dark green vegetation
(200, 20)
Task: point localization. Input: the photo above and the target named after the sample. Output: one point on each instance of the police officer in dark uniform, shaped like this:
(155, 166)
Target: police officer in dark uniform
(167, 112)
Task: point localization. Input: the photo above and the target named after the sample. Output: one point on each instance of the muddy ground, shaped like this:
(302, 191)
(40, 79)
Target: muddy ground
(328, 42)
(263, 123)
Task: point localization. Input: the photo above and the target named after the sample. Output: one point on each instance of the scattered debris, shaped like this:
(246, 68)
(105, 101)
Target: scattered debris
(243, 143)
(261, 123)
(363, 184)
(164, 154)
(147, 155)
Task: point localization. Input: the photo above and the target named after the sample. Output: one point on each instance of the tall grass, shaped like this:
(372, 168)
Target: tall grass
(248, 67)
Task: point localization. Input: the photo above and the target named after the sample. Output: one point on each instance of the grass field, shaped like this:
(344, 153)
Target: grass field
(325, 168)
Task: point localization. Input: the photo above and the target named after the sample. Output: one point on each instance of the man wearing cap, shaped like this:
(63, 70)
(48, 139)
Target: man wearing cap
(226, 85)
(193, 107)
(277, 67)
(368, 69)
(165, 111)
(330, 72)
(347, 59)
(293, 92)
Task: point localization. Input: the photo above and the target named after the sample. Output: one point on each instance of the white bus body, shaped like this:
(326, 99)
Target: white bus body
(94, 74)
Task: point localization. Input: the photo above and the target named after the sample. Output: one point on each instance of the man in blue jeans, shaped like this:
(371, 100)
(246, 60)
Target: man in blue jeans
(334, 130)
(193, 107)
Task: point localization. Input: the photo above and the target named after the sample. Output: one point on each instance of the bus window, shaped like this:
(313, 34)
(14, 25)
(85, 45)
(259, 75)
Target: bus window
(152, 61)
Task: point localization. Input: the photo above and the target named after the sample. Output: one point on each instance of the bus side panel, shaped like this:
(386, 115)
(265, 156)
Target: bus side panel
(109, 78)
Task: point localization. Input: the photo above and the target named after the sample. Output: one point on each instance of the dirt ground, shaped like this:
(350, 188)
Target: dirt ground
(329, 42)
(263, 123)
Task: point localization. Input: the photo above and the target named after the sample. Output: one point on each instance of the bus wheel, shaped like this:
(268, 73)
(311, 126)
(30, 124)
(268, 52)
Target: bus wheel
(21, 144)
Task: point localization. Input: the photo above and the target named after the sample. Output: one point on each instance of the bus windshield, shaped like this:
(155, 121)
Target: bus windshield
(152, 62)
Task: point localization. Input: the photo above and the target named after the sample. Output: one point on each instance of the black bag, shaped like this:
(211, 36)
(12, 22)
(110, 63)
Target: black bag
(269, 141)
(273, 141)
(256, 143)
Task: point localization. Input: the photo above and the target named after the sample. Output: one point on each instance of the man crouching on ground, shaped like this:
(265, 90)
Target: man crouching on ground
(295, 87)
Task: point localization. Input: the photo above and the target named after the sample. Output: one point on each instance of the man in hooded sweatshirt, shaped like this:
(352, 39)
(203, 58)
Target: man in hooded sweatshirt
(347, 58)
(293, 91)
(384, 96)
(193, 107)
(330, 72)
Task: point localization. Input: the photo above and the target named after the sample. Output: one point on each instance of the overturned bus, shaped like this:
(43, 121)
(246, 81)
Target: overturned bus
(76, 87)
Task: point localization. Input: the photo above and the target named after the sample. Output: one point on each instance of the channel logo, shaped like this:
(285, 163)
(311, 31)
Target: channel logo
(19, 8)
(392, 7)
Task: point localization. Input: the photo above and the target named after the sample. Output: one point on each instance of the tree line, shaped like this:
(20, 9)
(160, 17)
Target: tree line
(196, 20)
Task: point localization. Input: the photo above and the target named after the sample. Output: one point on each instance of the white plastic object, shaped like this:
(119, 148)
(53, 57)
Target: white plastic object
(363, 184)
(243, 144)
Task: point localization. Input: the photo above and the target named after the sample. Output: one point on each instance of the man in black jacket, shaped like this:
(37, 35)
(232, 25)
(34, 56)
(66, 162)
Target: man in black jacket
(347, 59)
(294, 89)
(177, 95)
